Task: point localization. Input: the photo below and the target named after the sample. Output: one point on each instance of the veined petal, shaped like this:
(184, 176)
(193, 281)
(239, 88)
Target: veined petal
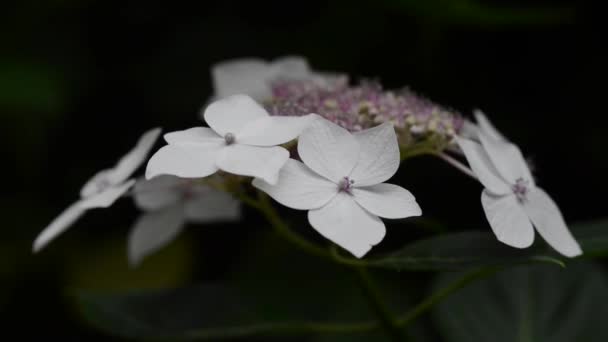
(260, 162)
(242, 76)
(328, 149)
(132, 160)
(487, 127)
(196, 135)
(157, 192)
(348, 225)
(274, 130)
(483, 168)
(211, 206)
(549, 222)
(508, 220)
(232, 114)
(153, 231)
(378, 157)
(299, 187)
(58, 226)
(107, 197)
(507, 158)
(387, 200)
(193, 161)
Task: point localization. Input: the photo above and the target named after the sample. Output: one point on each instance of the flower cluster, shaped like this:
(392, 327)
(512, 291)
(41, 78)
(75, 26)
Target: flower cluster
(348, 146)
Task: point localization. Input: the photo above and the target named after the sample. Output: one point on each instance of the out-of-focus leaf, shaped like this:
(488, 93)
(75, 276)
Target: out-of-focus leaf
(476, 13)
(479, 249)
(275, 290)
(105, 267)
(528, 303)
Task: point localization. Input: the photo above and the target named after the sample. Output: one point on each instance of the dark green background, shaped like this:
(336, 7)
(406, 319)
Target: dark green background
(80, 80)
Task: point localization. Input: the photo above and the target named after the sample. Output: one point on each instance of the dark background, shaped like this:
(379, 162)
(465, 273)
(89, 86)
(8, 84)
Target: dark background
(81, 80)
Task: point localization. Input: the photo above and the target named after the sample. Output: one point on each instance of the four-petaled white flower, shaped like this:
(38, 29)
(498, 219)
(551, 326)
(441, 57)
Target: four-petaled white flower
(513, 204)
(252, 76)
(169, 203)
(241, 139)
(341, 184)
(102, 190)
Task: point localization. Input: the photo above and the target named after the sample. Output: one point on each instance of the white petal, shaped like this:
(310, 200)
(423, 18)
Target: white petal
(483, 168)
(299, 187)
(97, 183)
(153, 231)
(254, 161)
(348, 225)
(242, 76)
(196, 135)
(291, 67)
(107, 197)
(507, 159)
(328, 149)
(550, 223)
(231, 114)
(274, 130)
(486, 126)
(192, 161)
(211, 206)
(508, 220)
(58, 226)
(378, 157)
(132, 160)
(157, 192)
(387, 200)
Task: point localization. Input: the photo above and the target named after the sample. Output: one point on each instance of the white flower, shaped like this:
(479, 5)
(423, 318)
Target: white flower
(513, 204)
(241, 140)
(251, 76)
(102, 190)
(171, 202)
(340, 183)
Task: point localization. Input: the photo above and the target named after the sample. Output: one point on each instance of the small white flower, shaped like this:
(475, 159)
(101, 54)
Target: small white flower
(171, 202)
(513, 204)
(251, 76)
(340, 183)
(102, 190)
(241, 139)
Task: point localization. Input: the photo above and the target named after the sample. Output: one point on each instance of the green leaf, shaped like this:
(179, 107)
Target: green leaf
(275, 289)
(528, 303)
(465, 250)
(460, 251)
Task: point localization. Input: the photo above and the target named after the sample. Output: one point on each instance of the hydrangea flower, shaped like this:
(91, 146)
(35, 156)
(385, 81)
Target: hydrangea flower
(341, 184)
(169, 203)
(241, 139)
(512, 202)
(102, 190)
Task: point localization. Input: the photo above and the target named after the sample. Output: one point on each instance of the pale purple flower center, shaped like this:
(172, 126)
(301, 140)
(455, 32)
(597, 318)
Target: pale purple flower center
(362, 106)
(346, 184)
(229, 138)
(521, 189)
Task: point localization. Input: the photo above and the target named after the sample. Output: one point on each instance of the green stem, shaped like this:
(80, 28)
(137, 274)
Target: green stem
(385, 316)
(438, 296)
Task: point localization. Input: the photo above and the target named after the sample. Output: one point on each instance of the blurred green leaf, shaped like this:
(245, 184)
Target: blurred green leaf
(480, 249)
(477, 13)
(274, 290)
(528, 303)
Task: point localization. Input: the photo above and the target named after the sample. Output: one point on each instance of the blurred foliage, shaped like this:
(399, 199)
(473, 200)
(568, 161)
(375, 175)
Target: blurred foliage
(530, 303)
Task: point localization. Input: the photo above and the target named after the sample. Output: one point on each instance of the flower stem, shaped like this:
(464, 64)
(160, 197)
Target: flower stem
(438, 296)
(375, 300)
(455, 163)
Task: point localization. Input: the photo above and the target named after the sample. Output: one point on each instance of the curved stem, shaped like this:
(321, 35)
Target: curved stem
(436, 297)
(385, 316)
(458, 165)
